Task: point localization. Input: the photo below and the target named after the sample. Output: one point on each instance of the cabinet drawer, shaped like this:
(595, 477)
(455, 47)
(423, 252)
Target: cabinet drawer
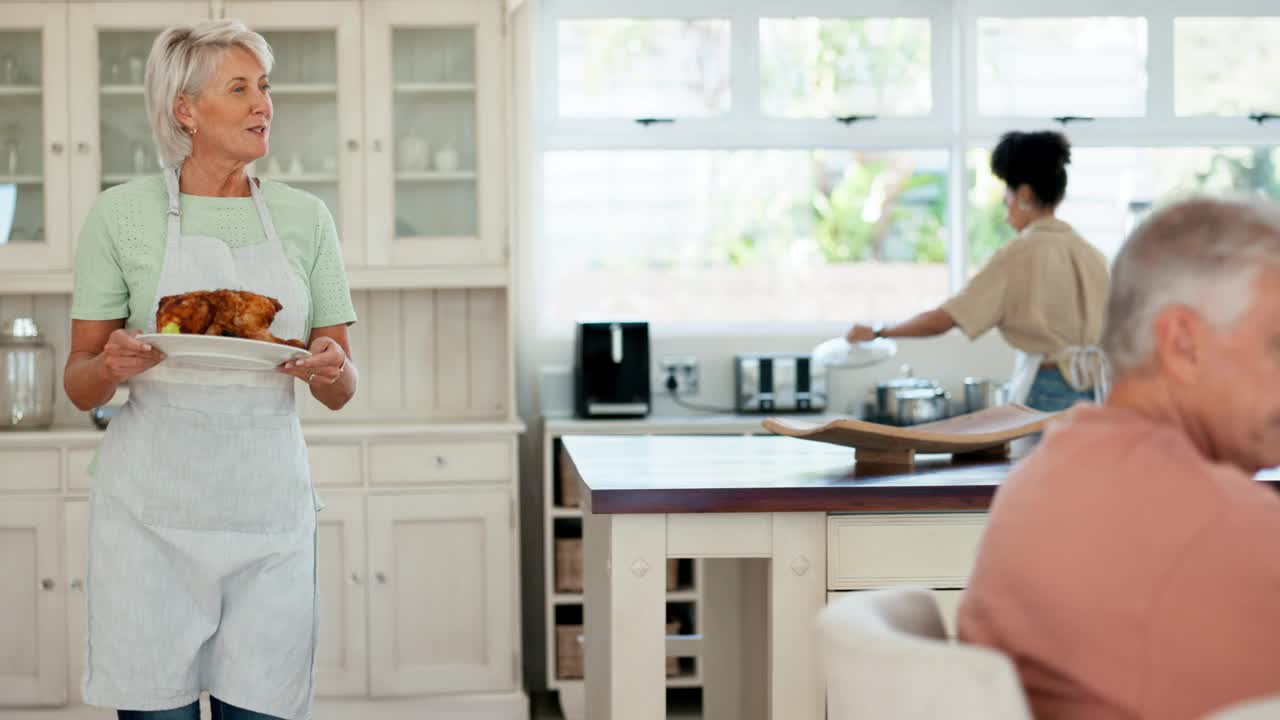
(335, 464)
(78, 462)
(439, 461)
(948, 604)
(929, 550)
(30, 469)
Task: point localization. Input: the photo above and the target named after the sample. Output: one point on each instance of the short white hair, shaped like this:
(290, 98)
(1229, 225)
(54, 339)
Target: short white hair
(1201, 252)
(183, 59)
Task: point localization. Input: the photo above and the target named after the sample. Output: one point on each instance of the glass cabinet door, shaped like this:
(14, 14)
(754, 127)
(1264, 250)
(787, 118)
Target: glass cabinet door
(434, 114)
(33, 135)
(110, 133)
(315, 91)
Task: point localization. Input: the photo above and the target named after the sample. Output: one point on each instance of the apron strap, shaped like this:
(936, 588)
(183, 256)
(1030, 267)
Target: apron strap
(175, 203)
(268, 227)
(1089, 367)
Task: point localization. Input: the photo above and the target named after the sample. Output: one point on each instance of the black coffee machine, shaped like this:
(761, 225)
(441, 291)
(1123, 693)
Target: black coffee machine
(611, 370)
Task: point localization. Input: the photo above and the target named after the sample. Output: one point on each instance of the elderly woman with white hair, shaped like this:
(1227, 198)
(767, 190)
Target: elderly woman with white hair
(202, 535)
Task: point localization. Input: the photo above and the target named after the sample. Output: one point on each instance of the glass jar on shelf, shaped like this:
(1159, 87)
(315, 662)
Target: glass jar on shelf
(9, 72)
(12, 151)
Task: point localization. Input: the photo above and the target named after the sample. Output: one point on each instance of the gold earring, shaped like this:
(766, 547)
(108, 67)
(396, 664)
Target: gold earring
(192, 131)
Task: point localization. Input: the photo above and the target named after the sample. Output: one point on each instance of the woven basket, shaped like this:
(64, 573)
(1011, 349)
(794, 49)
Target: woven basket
(569, 566)
(568, 490)
(569, 652)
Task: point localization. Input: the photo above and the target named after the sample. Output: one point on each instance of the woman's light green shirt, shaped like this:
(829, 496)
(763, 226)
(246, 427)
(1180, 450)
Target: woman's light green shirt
(122, 247)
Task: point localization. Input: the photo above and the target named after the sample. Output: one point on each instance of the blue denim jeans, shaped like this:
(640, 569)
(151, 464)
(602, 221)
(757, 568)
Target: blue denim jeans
(218, 709)
(1051, 393)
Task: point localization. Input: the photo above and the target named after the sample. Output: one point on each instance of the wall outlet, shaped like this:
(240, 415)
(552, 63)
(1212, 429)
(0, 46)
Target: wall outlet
(684, 368)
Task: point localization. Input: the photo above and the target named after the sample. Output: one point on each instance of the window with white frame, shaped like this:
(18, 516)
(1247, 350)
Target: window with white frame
(719, 163)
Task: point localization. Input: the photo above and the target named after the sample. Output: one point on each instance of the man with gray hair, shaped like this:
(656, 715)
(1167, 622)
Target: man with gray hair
(1130, 565)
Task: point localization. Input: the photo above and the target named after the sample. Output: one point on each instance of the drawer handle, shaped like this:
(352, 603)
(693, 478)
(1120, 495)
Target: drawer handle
(353, 145)
(381, 578)
(56, 148)
(76, 584)
(355, 578)
(440, 461)
(47, 584)
(83, 148)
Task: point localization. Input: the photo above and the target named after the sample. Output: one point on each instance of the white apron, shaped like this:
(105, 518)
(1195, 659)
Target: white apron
(1088, 367)
(202, 570)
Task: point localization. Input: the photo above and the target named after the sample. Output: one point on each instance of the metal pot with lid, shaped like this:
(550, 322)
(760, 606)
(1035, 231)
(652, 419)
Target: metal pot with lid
(924, 400)
(26, 377)
(980, 394)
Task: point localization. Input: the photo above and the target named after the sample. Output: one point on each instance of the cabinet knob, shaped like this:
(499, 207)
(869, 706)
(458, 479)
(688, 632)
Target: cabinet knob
(353, 145)
(355, 578)
(440, 461)
(56, 148)
(381, 578)
(82, 147)
(46, 584)
(377, 146)
(76, 584)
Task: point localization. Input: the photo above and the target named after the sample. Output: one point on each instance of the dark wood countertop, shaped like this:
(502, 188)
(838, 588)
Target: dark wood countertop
(686, 474)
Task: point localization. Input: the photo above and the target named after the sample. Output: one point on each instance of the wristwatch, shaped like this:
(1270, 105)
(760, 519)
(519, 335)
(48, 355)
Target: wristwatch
(878, 329)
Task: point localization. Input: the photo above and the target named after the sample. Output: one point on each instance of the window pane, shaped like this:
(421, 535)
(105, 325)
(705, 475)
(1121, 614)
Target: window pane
(1226, 66)
(743, 237)
(820, 67)
(1045, 67)
(643, 68)
(1110, 189)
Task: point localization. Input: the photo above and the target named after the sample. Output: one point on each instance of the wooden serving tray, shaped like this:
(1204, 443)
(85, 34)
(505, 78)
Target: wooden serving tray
(986, 433)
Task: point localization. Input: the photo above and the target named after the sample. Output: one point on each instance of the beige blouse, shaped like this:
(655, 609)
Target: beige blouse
(1045, 291)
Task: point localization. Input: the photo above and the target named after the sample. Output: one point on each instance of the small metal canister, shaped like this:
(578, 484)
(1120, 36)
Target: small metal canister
(26, 377)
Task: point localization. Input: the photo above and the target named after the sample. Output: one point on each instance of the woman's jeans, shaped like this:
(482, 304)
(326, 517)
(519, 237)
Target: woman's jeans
(1051, 393)
(218, 709)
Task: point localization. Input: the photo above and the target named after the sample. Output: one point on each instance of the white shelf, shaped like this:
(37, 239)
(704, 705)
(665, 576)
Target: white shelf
(688, 595)
(292, 89)
(435, 176)
(434, 88)
(121, 89)
(21, 179)
(683, 680)
(563, 512)
(19, 90)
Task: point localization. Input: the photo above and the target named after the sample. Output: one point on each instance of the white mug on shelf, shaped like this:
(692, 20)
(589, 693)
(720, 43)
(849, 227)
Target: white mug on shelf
(447, 159)
(414, 153)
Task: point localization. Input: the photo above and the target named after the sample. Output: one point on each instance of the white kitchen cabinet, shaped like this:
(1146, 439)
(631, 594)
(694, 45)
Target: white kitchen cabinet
(342, 655)
(76, 554)
(434, 119)
(110, 136)
(391, 111)
(316, 131)
(33, 138)
(442, 600)
(33, 603)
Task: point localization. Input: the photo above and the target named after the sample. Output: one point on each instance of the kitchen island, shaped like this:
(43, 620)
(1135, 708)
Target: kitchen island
(823, 524)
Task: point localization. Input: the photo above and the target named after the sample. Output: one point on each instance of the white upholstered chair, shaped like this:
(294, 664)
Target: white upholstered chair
(886, 656)
(1266, 708)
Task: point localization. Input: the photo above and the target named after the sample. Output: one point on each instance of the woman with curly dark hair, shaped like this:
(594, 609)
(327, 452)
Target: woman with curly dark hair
(1044, 291)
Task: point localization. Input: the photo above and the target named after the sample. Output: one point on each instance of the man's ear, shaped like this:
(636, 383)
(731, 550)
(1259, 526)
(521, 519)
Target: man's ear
(1179, 341)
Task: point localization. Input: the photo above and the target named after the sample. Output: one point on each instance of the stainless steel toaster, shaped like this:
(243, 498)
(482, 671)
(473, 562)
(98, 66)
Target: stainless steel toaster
(779, 383)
